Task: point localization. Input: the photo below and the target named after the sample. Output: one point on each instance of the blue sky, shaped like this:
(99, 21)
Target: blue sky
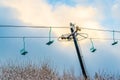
(103, 14)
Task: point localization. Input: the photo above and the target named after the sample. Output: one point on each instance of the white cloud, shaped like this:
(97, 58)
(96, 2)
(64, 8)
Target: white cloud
(116, 10)
(39, 12)
(80, 1)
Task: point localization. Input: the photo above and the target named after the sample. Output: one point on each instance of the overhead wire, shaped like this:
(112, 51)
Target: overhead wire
(95, 38)
(103, 38)
(26, 37)
(18, 26)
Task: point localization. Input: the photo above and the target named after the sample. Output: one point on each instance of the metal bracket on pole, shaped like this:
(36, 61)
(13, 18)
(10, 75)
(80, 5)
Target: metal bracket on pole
(69, 37)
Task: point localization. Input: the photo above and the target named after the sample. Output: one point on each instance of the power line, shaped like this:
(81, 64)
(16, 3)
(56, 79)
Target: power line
(54, 37)
(16, 26)
(100, 30)
(26, 37)
(104, 38)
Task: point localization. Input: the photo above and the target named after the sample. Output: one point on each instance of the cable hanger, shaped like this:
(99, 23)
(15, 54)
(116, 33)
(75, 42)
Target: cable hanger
(92, 49)
(23, 51)
(50, 41)
(114, 41)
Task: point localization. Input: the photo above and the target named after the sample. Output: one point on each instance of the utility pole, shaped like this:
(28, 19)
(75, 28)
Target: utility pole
(78, 51)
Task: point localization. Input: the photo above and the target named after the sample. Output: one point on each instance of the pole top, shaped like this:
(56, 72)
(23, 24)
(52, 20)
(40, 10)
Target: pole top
(72, 25)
